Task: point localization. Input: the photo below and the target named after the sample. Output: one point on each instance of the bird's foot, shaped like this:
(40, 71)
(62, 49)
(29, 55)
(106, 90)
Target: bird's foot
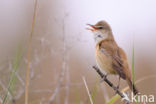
(102, 79)
(117, 89)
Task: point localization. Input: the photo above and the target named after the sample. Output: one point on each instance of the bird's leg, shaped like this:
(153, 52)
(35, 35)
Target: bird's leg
(104, 77)
(118, 83)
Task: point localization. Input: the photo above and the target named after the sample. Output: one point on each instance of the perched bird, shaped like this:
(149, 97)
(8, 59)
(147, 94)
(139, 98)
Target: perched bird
(109, 56)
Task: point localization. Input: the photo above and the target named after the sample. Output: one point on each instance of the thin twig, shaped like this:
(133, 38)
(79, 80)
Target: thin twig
(84, 80)
(67, 86)
(51, 99)
(64, 64)
(103, 76)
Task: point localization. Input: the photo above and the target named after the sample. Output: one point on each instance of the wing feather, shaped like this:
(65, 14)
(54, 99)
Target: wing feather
(113, 52)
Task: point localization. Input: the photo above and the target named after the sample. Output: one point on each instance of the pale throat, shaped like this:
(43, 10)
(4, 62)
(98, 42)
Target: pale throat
(98, 36)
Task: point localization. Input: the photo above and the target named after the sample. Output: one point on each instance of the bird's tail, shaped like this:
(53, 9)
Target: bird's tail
(132, 86)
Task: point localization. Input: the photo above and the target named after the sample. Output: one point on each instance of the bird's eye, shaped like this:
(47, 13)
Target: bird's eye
(101, 27)
(99, 36)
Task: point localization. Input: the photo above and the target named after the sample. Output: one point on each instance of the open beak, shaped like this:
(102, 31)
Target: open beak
(93, 28)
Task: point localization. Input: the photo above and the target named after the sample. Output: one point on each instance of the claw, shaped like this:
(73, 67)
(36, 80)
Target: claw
(102, 79)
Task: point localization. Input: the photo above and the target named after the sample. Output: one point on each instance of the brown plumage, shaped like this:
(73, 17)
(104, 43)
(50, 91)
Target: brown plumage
(109, 56)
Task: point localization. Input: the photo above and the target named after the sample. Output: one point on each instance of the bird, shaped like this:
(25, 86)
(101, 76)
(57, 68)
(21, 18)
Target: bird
(110, 58)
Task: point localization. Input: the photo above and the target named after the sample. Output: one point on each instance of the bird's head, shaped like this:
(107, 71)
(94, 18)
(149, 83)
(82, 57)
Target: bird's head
(101, 30)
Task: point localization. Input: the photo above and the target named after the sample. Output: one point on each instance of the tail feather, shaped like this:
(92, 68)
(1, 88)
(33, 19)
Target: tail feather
(132, 87)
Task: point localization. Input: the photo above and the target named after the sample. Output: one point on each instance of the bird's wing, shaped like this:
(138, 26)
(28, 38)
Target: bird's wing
(116, 55)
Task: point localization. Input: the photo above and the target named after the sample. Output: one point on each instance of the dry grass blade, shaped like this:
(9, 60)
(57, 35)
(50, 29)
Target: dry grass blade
(28, 56)
(84, 80)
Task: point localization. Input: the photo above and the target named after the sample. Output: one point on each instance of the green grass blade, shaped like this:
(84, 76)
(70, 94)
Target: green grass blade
(94, 92)
(13, 77)
(114, 99)
(133, 73)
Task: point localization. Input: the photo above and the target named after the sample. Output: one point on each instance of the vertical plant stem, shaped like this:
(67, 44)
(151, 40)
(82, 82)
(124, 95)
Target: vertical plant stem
(133, 73)
(29, 56)
(133, 76)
